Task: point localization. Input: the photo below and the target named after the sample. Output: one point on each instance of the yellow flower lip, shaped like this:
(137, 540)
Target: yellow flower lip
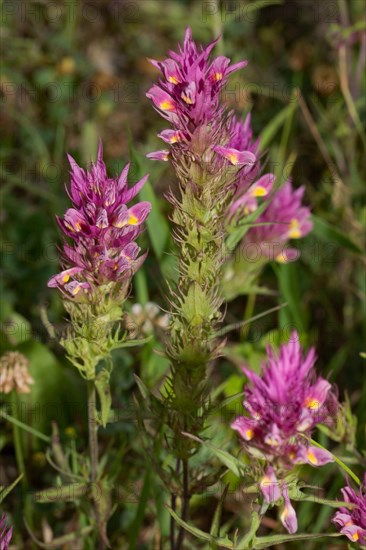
(311, 457)
(312, 403)
(217, 76)
(65, 278)
(173, 79)
(294, 229)
(75, 290)
(187, 99)
(167, 105)
(133, 220)
(233, 158)
(175, 138)
(259, 191)
(265, 480)
(272, 442)
(249, 434)
(281, 258)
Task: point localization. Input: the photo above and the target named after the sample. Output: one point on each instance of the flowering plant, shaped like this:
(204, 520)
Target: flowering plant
(137, 424)
(94, 283)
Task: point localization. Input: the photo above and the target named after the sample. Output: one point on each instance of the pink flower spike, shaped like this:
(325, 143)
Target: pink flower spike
(235, 157)
(100, 225)
(279, 405)
(284, 218)
(188, 94)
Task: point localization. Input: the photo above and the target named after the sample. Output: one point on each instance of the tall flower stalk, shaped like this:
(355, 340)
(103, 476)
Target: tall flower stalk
(207, 166)
(98, 263)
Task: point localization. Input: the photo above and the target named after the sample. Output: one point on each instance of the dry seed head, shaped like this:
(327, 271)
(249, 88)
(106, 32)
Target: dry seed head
(14, 373)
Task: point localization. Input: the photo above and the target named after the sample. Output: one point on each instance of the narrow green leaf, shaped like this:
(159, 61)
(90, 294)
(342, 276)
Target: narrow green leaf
(60, 541)
(259, 4)
(160, 498)
(215, 526)
(288, 279)
(143, 389)
(201, 535)
(133, 343)
(63, 493)
(272, 128)
(248, 538)
(89, 141)
(24, 427)
(141, 288)
(327, 502)
(266, 542)
(232, 463)
(4, 491)
(157, 225)
(236, 326)
(140, 512)
(329, 233)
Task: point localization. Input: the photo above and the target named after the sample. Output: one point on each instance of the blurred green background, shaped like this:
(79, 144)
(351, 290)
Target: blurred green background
(76, 71)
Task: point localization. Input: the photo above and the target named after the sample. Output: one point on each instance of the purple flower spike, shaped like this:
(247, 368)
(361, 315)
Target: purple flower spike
(102, 229)
(5, 534)
(285, 218)
(188, 95)
(285, 401)
(352, 522)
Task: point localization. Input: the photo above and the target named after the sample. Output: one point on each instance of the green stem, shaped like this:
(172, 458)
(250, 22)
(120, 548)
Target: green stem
(93, 429)
(18, 445)
(185, 506)
(249, 310)
(19, 456)
(173, 505)
(93, 449)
